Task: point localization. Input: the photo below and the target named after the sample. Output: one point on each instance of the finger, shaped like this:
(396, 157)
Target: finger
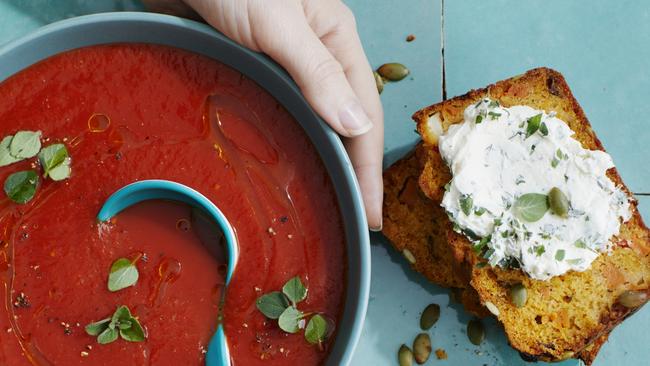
(319, 75)
(171, 7)
(366, 152)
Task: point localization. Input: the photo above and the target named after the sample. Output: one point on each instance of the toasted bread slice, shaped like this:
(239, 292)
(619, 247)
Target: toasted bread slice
(565, 314)
(410, 221)
(408, 224)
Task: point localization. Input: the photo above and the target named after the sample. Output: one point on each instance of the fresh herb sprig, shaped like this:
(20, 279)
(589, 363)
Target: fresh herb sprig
(121, 324)
(283, 306)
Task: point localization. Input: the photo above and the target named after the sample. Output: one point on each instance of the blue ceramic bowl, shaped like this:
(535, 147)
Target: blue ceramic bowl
(199, 38)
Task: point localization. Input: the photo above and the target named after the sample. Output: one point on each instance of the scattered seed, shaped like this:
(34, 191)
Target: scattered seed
(633, 299)
(475, 331)
(441, 354)
(422, 348)
(410, 38)
(84, 354)
(493, 308)
(379, 82)
(558, 202)
(518, 295)
(393, 71)
(430, 316)
(405, 356)
(408, 255)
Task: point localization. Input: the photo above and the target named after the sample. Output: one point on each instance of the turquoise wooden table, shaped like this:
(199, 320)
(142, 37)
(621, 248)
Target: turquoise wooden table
(602, 49)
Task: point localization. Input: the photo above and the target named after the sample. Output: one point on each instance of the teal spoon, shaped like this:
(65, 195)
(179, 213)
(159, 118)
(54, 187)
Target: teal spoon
(218, 354)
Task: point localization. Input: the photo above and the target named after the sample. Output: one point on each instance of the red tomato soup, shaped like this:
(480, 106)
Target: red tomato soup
(133, 112)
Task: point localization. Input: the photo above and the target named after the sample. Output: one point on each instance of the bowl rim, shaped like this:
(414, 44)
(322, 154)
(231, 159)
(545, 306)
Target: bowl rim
(121, 27)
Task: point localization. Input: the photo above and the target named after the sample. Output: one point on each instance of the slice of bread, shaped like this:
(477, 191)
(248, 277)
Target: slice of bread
(409, 219)
(567, 313)
(412, 224)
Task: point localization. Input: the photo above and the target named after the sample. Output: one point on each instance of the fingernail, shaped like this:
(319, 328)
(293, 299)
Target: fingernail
(377, 228)
(354, 119)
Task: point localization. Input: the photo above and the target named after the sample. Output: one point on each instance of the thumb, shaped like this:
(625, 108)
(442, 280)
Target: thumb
(319, 75)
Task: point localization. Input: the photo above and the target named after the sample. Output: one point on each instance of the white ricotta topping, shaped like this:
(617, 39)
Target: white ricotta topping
(497, 155)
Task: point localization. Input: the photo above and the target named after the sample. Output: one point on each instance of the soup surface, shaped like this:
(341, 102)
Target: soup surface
(134, 112)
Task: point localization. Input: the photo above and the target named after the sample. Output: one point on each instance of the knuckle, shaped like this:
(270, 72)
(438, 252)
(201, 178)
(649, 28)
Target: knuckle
(326, 69)
(346, 17)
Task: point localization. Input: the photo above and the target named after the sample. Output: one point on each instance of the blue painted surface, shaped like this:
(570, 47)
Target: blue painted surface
(602, 49)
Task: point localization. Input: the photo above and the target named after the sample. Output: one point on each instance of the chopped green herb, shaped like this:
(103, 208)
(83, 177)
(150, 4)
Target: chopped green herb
(289, 320)
(123, 274)
(539, 249)
(480, 265)
(575, 261)
(482, 244)
(447, 186)
(533, 125)
(543, 129)
(466, 204)
(480, 211)
(580, 244)
(55, 162)
(555, 162)
(493, 104)
(25, 144)
(316, 330)
(21, 187)
(497, 222)
(559, 255)
(479, 119)
(488, 253)
(531, 206)
(494, 115)
(295, 290)
(273, 304)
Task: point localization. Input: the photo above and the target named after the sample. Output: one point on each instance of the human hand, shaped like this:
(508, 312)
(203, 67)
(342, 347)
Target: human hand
(316, 41)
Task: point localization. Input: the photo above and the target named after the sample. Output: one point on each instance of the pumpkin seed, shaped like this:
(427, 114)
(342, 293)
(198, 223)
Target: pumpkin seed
(518, 295)
(475, 331)
(405, 356)
(558, 202)
(633, 299)
(379, 82)
(393, 71)
(422, 348)
(493, 308)
(430, 316)
(408, 255)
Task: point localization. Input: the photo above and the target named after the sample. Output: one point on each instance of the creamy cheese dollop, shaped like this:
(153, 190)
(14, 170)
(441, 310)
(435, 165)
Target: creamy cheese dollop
(496, 156)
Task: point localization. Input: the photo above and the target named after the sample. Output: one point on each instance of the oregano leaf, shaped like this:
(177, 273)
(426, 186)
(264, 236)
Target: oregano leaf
(123, 274)
(295, 290)
(272, 304)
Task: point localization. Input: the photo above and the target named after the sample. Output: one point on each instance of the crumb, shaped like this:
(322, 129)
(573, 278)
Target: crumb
(89, 347)
(84, 354)
(410, 38)
(289, 236)
(271, 231)
(441, 354)
(9, 330)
